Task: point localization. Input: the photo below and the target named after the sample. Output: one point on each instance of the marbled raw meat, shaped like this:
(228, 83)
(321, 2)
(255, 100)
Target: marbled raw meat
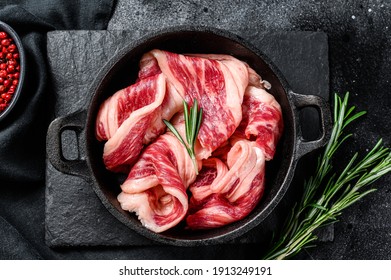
(217, 82)
(132, 118)
(156, 186)
(241, 126)
(225, 193)
(262, 120)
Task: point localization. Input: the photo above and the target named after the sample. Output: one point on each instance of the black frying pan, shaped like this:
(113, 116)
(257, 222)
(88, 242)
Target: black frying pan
(122, 70)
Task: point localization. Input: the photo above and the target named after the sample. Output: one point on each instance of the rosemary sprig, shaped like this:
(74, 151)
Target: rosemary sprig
(327, 194)
(192, 127)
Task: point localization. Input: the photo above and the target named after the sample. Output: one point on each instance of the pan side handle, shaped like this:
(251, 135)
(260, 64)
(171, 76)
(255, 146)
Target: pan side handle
(54, 150)
(301, 101)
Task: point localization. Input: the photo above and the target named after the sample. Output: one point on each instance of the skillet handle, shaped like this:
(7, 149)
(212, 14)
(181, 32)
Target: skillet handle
(301, 101)
(73, 122)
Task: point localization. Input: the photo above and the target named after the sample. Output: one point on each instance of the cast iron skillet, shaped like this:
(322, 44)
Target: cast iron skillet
(121, 71)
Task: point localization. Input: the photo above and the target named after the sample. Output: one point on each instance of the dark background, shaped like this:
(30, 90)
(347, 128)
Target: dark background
(359, 53)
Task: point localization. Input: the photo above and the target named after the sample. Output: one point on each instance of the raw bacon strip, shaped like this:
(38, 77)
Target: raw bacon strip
(224, 196)
(213, 170)
(148, 66)
(156, 186)
(255, 80)
(218, 84)
(262, 120)
(132, 118)
(125, 143)
(118, 107)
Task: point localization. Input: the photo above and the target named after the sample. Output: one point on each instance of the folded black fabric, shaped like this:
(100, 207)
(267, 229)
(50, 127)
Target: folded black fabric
(23, 132)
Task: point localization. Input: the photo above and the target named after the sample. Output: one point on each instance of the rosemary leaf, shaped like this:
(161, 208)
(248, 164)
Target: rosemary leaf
(199, 119)
(186, 115)
(193, 124)
(175, 132)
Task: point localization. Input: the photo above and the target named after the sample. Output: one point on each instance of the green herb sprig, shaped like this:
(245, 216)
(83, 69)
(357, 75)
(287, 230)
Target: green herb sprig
(192, 127)
(326, 193)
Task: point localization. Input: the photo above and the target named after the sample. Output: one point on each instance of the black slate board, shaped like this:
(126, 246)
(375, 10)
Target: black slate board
(74, 214)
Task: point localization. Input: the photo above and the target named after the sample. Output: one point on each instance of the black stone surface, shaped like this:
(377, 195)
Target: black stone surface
(74, 214)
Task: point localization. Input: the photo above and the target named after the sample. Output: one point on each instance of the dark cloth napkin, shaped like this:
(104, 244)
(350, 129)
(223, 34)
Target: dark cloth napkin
(23, 132)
